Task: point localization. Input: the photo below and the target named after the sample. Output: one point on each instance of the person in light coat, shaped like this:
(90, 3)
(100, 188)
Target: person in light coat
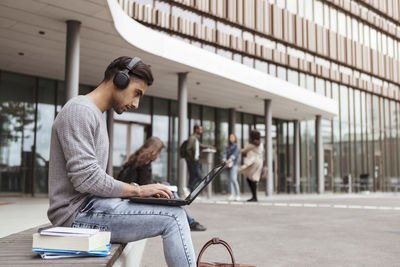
(253, 162)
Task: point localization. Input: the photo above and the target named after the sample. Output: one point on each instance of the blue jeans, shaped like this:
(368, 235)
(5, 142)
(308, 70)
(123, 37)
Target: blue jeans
(194, 173)
(233, 181)
(129, 222)
(190, 219)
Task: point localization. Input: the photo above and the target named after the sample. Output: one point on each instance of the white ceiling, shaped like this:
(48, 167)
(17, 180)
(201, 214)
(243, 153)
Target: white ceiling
(44, 55)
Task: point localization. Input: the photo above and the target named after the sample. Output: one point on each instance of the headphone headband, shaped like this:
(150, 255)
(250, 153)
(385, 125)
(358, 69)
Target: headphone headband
(132, 64)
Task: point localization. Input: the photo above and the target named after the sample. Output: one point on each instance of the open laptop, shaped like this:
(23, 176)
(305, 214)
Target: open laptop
(182, 202)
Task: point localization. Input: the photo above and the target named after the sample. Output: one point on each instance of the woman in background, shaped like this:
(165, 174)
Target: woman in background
(231, 157)
(253, 162)
(137, 170)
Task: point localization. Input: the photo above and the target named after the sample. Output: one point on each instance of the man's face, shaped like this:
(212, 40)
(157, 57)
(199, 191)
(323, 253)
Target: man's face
(129, 97)
(199, 130)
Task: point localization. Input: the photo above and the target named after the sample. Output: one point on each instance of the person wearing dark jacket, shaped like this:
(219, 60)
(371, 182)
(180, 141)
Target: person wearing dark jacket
(231, 157)
(193, 148)
(137, 169)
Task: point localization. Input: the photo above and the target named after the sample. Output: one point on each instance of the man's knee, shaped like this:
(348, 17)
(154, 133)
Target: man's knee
(178, 214)
(176, 220)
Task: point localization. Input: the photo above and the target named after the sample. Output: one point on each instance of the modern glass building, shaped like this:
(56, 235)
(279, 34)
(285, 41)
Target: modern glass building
(347, 51)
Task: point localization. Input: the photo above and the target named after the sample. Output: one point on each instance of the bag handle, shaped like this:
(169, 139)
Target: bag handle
(216, 241)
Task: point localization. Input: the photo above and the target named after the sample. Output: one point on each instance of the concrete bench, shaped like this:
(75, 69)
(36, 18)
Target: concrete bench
(16, 250)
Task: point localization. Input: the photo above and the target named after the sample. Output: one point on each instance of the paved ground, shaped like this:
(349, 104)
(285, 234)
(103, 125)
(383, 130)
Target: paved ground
(17, 214)
(333, 230)
(284, 230)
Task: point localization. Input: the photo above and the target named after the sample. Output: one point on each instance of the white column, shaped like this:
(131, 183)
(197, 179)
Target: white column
(72, 59)
(320, 155)
(182, 129)
(268, 146)
(296, 153)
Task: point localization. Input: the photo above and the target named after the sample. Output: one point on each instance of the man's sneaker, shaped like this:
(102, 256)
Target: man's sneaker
(196, 226)
(231, 197)
(237, 198)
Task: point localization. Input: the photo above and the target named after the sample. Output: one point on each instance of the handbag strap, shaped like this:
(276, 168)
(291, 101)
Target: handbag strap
(216, 241)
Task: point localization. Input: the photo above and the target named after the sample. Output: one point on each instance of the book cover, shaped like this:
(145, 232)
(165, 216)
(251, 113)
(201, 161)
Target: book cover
(68, 231)
(76, 243)
(57, 253)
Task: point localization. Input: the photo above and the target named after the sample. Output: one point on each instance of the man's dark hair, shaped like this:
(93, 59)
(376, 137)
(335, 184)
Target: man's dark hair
(141, 71)
(195, 127)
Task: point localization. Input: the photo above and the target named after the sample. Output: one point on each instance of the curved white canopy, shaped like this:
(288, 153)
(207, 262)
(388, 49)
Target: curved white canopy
(223, 82)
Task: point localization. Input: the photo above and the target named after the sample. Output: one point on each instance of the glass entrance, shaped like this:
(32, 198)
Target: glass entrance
(128, 137)
(328, 167)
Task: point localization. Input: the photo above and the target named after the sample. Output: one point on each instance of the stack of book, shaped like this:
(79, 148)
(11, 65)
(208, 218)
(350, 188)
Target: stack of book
(66, 242)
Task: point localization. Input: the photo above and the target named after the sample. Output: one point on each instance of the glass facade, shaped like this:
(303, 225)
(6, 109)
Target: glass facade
(28, 106)
(363, 141)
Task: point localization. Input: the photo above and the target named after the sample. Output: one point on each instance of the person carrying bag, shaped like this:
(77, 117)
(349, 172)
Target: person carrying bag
(216, 241)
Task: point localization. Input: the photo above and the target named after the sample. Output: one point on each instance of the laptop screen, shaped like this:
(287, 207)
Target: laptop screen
(203, 183)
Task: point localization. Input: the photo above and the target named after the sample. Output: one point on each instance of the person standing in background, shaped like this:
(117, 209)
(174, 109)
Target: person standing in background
(231, 157)
(193, 155)
(253, 163)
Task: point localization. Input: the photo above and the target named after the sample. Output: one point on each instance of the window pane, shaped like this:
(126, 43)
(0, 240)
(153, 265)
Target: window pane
(309, 10)
(319, 13)
(17, 117)
(161, 130)
(45, 118)
(310, 83)
(208, 136)
(293, 77)
(282, 73)
(221, 184)
(333, 19)
(320, 86)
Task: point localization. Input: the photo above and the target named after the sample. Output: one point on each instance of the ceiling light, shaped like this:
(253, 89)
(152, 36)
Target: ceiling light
(197, 83)
(21, 53)
(42, 32)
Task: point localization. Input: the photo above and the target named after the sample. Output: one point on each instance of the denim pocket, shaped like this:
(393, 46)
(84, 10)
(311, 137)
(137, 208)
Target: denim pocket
(90, 226)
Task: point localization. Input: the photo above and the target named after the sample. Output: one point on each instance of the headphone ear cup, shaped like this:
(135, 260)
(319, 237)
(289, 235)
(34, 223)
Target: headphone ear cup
(121, 80)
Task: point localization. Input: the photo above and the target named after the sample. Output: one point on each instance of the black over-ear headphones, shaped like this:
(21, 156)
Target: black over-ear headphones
(121, 78)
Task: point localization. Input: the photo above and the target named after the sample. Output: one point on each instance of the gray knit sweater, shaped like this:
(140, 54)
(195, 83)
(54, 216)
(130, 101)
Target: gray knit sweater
(78, 160)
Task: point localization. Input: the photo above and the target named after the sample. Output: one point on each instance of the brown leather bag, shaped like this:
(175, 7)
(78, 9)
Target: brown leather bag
(215, 241)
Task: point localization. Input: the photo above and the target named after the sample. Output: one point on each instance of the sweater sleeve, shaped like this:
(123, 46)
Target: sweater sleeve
(76, 135)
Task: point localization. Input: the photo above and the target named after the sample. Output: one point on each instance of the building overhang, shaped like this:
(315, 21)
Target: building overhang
(223, 82)
(108, 32)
